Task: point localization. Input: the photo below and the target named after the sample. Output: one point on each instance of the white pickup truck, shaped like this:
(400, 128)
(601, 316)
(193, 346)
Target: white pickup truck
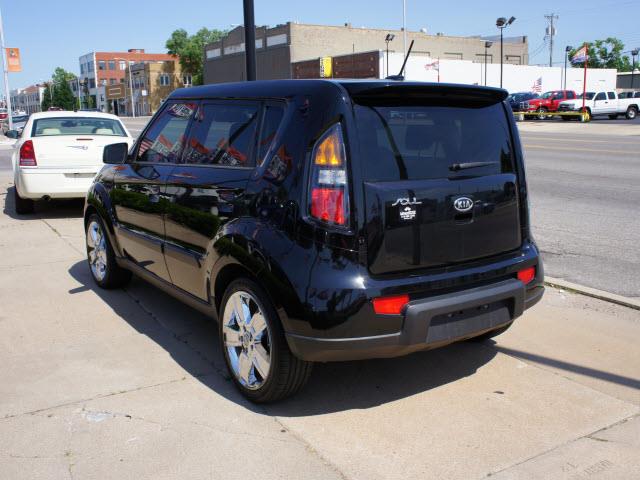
(601, 103)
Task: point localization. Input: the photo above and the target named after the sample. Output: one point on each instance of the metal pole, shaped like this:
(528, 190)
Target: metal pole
(133, 107)
(501, 30)
(485, 64)
(564, 87)
(388, 61)
(633, 67)
(404, 27)
(249, 39)
(6, 75)
(79, 102)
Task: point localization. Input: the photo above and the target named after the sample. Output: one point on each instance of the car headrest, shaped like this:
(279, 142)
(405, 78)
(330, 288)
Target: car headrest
(103, 131)
(419, 137)
(50, 131)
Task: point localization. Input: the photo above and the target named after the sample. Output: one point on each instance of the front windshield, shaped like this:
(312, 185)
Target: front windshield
(589, 95)
(547, 95)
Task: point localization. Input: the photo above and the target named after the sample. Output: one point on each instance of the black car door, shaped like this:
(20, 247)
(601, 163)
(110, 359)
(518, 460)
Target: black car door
(138, 194)
(208, 188)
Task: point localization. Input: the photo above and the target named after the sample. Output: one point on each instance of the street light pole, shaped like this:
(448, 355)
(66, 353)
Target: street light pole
(567, 49)
(634, 54)
(249, 39)
(503, 23)
(7, 95)
(486, 45)
(387, 39)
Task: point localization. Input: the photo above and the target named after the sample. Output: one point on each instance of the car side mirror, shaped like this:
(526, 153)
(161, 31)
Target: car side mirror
(115, 154)
(12, 134)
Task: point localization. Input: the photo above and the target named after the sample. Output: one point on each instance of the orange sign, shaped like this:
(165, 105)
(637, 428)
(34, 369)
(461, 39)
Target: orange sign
(13, 60)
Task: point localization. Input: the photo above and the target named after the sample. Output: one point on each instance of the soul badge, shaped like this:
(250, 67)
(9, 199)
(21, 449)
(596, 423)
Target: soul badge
(408, 213)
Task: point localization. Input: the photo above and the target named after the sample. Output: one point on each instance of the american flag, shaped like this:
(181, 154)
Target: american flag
(433, 66)
(537, 86)
(580, 56)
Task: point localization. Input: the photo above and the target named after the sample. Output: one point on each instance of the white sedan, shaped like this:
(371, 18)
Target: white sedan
(59, 153)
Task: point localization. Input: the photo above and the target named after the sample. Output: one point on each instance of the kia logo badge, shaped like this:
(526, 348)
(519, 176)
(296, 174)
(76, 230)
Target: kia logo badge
(463, 204)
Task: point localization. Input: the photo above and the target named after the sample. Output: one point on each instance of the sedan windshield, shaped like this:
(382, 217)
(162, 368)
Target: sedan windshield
(21, 118)
(77, 126)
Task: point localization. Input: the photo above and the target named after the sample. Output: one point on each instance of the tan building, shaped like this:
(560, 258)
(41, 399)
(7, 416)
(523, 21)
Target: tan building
(279, 47)
(152, 83)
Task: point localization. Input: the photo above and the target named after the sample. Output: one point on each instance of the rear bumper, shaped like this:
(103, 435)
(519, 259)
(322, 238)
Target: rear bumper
(429, 323)
(36, 184)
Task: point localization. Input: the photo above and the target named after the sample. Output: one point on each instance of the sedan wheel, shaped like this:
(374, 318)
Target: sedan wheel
(97, 251)
(247, 340)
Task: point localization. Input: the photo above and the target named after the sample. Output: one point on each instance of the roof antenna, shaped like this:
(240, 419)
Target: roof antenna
(400, 76)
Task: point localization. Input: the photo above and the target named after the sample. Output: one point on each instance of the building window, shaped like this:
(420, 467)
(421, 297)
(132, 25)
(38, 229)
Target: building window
(102, 65)
(186, 80)
(122, 80)
(92, 83)
(122, 64)
(82, 68)
(164, 79)
(112, 81)
(103, 82)
(112, 64)
(90, 67)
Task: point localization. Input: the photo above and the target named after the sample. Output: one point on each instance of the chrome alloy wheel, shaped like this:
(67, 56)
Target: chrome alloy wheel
(247, 340)
(97, 250)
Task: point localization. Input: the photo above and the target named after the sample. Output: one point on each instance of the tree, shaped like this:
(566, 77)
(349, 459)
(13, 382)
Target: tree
(190, 49)
(606, 53)
(46, 98)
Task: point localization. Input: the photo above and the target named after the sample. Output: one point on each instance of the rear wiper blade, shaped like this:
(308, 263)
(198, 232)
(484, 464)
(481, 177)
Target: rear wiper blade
(463, 166)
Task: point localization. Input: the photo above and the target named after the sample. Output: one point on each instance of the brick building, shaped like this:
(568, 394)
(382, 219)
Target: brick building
(100, 69)
(278, 48)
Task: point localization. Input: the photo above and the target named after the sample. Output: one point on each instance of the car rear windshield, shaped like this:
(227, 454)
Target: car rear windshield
(44, 127)
(427, 142)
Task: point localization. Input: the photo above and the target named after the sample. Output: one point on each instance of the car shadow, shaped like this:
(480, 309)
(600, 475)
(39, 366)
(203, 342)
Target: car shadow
(332, 387)
(45, 209)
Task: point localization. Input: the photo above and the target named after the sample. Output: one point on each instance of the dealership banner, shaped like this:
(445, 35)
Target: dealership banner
(13, 60)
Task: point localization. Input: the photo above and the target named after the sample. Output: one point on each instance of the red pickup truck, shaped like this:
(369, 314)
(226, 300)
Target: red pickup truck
(549, 101)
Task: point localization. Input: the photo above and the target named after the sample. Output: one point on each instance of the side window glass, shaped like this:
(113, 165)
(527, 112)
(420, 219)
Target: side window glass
(224, 134)
(164, 140)
(272, 117)
(611, 95)
(571, 95)
(601, 96)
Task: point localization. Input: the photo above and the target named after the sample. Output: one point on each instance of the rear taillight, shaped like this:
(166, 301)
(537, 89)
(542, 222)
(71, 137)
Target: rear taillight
(328, 188)
(527, 275)
(27, 155)
(390, 305)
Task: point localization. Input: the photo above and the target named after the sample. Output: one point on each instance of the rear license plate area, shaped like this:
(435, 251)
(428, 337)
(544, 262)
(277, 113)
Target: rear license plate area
(79, 175)
(464, 322)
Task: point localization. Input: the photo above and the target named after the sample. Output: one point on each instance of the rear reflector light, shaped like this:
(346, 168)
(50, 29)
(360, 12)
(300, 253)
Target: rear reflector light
(327, 204)
(526, 275)
(390, 305)
(27, 155)
(328, 184)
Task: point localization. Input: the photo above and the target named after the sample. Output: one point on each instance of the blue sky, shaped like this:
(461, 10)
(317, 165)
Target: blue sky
(50, 35)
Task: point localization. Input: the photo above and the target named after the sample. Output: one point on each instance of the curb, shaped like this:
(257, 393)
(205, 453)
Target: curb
(593, 292)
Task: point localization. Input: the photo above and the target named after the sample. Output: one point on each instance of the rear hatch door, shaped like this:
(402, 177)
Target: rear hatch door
(439, 179)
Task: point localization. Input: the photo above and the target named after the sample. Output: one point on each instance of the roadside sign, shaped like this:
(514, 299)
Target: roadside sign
(13, 60)
(325, 67)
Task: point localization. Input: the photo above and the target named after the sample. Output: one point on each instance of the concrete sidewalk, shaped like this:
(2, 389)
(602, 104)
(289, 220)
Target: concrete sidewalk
(131, 384)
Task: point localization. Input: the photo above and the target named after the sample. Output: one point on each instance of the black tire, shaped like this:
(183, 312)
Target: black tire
(287, 373)
(23, 205)
(114, 275)
(492, 333)
(632, 112)
(613, 116)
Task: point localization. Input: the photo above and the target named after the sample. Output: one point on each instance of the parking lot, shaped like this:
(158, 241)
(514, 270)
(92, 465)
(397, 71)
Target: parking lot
(131, 383)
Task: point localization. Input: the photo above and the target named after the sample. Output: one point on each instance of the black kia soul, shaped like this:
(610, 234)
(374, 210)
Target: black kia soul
(323, 220)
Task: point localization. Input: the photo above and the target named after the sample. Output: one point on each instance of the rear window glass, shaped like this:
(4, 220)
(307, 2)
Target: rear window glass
(426, 142)
(44, 127)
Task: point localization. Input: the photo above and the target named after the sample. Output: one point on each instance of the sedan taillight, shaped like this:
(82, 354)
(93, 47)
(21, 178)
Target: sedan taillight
(28, 155)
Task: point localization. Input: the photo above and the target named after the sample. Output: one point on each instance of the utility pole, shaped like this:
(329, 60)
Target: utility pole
(551, 32)
(5, 64)
(249, 39)
(404, 27)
